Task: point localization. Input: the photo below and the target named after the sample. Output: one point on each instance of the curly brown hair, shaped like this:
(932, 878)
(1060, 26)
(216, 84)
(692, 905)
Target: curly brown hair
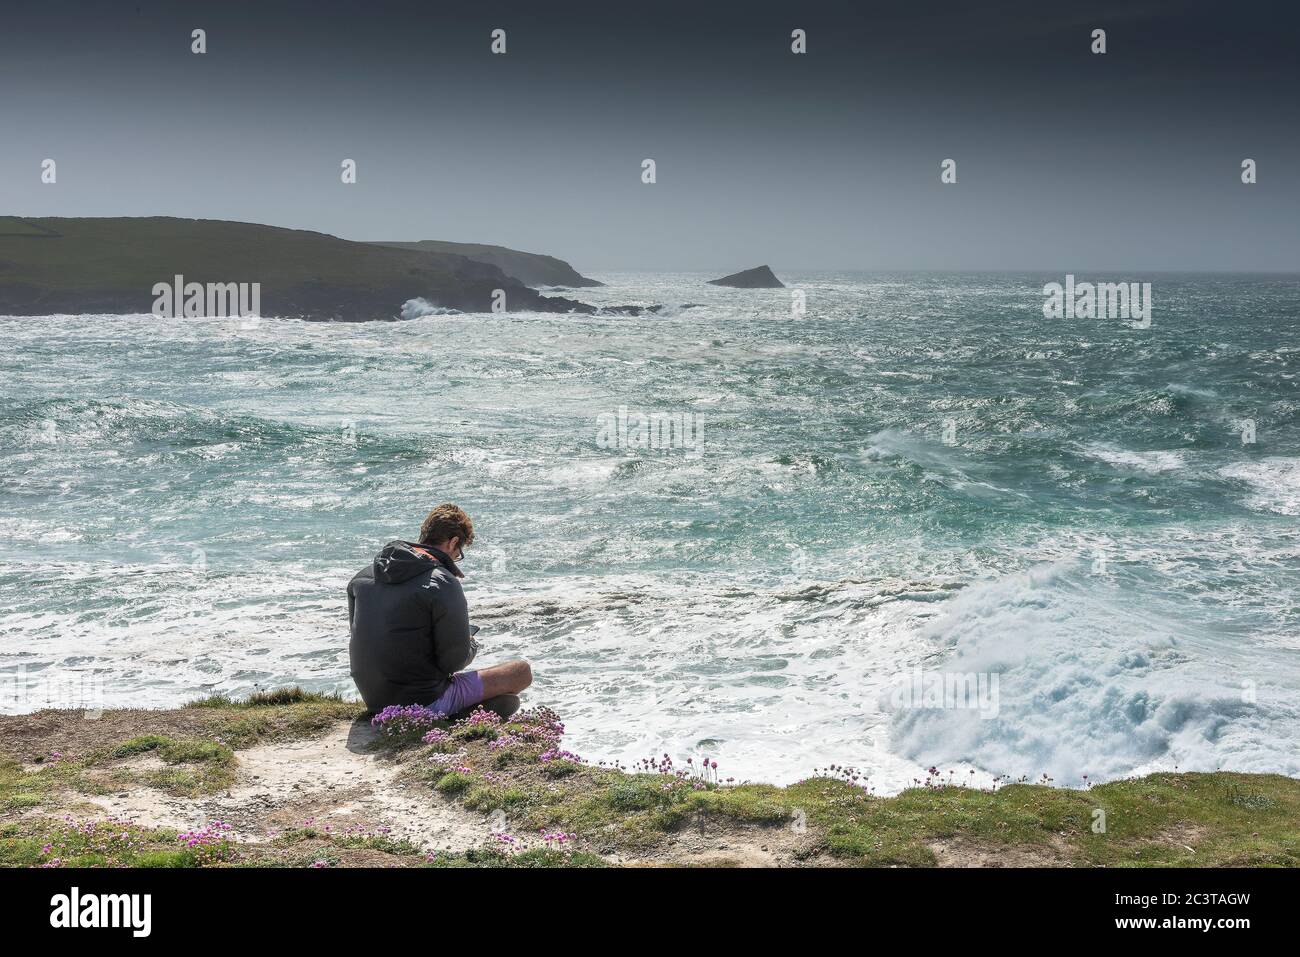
(445, 522)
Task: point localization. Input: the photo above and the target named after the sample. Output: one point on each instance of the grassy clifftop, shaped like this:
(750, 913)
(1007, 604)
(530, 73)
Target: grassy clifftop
(110, 265)
(531, 269)
(292, 779)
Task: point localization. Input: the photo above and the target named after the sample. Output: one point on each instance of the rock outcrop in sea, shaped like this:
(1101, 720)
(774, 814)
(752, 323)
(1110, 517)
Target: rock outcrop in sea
(760, 277)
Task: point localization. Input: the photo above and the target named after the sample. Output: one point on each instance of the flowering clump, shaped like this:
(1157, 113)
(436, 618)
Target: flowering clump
(540, 726)
(210, 843)
(480, 717)
(111, 843)
(558, 754)
(936, 780)
(507, 740)
(699, 776)
(538, 730)
(849, 775)
(480, 723)
(400, 720)
(558, 842)
(448, 758)
(557, 839)
(436, 736)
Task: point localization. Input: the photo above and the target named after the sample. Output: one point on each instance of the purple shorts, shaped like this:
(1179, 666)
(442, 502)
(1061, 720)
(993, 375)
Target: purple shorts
(465, 691)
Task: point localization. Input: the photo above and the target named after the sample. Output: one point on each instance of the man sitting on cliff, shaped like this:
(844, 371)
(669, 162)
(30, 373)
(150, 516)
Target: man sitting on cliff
(411, 636)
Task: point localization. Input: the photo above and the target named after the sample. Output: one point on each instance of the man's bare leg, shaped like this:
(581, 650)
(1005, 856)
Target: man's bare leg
(501, 686)
(510, 677)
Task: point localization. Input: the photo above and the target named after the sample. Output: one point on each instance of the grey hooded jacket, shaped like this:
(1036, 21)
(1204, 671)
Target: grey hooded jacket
(409, 624)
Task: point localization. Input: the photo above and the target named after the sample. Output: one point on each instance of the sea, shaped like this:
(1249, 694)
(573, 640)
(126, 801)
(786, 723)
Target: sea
(903, 523)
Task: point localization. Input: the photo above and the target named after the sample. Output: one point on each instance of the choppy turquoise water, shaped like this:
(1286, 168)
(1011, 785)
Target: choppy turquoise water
(920, 473)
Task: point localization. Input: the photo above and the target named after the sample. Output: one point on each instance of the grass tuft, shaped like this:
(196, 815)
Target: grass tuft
(454, 782)
(537, 857)
(267, 699)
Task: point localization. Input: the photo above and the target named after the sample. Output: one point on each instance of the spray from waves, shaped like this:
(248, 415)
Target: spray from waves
(893, 445)
(1090, 685)
(419, 308)
(934, 462)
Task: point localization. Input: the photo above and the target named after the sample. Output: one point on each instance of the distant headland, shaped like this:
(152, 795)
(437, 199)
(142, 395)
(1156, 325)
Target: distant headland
(531, 269)
(111, 265)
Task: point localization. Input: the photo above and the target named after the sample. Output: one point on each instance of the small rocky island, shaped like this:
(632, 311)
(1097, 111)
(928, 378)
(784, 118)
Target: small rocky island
(760, 277)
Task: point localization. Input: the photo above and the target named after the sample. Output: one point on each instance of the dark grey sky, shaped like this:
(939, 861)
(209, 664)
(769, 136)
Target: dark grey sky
(1066, 160)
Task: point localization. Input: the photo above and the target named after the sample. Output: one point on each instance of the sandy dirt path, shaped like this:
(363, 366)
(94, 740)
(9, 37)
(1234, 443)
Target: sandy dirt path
(332, 781)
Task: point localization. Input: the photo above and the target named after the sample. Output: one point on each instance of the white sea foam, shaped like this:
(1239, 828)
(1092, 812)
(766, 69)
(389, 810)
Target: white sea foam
(1151, 462)
(1093, 685)
(1274, 483)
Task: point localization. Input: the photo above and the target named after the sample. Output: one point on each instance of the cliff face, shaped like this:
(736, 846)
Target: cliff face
(111, 264)
(760, 277)
(531, 269)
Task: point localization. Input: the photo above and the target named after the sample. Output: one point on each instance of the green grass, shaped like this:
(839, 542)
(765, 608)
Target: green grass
(369, 841)
(486, 798)
(136, 252)
(453, 782)
(475, 732)
(14, 226)
(201, 760)
(96, 844)
(20, 789)
(537, 857)
(261, 717)
(274, 698)
(560, 768)
(1219, 819)
(210, 764)
(1162, 819)
(175, 752)
(531, 269)
(752, 803)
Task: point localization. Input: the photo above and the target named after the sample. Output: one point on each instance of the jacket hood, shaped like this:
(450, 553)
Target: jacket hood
(401, 561)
